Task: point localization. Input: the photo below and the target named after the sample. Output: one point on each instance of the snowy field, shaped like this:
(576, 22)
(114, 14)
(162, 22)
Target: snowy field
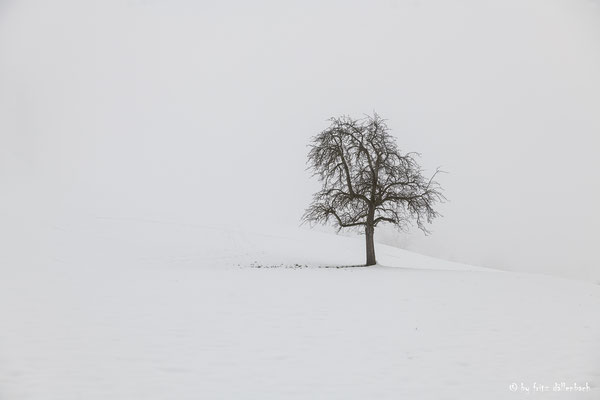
(136, 309)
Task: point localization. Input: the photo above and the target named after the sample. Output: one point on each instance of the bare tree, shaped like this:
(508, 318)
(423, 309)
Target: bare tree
(367, 180)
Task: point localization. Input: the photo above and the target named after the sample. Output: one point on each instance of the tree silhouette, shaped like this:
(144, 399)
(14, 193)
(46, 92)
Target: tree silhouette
(367, 180)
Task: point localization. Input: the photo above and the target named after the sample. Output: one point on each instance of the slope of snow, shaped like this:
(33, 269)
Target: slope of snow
(141, 309)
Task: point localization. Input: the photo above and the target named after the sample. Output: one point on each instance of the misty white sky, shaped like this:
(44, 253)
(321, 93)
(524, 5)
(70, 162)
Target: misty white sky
(202, 110)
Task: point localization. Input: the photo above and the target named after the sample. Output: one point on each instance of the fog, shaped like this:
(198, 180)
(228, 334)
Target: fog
(201, 112)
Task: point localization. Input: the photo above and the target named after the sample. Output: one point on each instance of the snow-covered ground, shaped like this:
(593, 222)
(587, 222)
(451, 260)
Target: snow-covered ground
(140, 309)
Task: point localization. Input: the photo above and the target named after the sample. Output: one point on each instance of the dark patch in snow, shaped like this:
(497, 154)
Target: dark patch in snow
(256, 264)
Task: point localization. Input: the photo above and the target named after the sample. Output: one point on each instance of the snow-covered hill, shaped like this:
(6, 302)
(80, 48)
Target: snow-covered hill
(118, 308)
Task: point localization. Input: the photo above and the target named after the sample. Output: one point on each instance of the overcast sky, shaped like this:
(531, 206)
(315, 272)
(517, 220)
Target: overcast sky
(202, 110)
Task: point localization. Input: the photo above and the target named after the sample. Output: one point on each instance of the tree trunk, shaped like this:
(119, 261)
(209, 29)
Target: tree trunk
(369, 233)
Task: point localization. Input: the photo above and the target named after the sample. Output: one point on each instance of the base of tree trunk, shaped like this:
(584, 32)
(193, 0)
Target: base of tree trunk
(370, 242)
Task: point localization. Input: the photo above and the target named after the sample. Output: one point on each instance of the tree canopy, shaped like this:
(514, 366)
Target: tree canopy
(367, 180)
